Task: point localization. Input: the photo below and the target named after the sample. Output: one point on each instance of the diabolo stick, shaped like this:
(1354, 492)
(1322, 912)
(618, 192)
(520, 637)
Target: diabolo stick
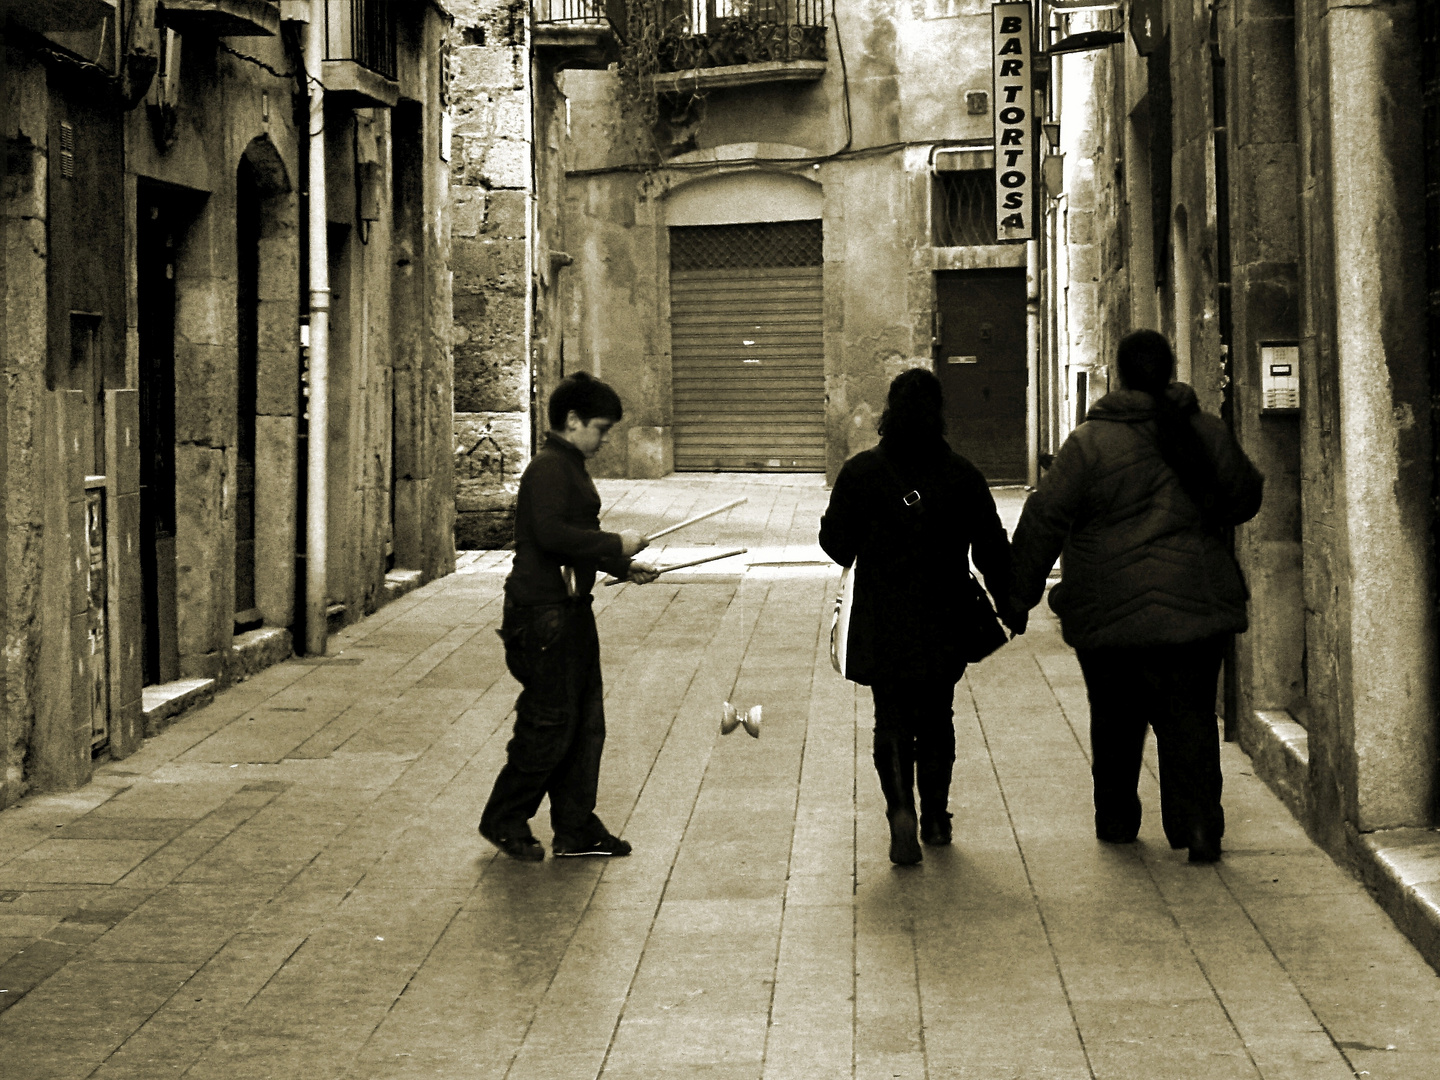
(682, 565)
(698, 517)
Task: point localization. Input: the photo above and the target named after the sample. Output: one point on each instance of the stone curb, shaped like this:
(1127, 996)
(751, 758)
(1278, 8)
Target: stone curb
(1400, 867)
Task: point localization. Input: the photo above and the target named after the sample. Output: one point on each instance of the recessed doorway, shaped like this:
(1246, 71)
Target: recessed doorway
(981, 360)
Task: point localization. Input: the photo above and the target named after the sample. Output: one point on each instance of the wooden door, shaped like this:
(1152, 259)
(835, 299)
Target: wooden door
(982, 364)
(156, 237)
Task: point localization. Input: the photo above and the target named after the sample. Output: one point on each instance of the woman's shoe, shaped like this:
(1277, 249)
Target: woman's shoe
(1204, 846)
(935, 829)
(904, 848)
(1116, 836)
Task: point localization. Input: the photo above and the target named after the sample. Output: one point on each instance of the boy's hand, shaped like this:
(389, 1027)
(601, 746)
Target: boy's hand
(632, 543)
(642, 573)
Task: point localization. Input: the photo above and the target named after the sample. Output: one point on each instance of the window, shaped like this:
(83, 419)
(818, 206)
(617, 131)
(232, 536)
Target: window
(963, 205)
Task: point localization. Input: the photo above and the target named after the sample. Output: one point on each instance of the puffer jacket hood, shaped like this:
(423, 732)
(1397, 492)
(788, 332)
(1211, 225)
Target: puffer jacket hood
(1136, 406)
(1140, 564)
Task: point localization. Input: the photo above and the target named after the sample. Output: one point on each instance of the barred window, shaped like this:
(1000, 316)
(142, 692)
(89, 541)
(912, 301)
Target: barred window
(964, 208)
(746, 247)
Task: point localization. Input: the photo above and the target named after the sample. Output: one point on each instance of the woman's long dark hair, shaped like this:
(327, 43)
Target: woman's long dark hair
(913, 423)
(1147, 364)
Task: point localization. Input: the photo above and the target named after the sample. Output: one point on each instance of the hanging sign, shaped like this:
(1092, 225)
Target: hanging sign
(1014, 126)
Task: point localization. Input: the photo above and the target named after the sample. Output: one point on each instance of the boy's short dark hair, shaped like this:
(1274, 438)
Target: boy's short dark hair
(587, 397)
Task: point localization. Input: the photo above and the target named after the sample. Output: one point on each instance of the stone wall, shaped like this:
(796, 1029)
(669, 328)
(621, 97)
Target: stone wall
(490, 182)
(1288, 214)
(862, 135)
(95, 603)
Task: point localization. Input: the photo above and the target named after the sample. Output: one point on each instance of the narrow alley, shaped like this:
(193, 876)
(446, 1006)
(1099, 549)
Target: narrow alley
(288, 882)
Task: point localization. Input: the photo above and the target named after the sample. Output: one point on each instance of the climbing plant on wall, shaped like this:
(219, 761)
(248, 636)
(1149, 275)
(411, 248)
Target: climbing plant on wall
(639, 63)
(660, 36)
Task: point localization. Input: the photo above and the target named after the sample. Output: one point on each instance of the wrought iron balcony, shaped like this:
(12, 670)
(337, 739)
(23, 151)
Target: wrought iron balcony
(571, 13)
(578, 33)
(702, 43)
(714, 43)
(360, 52)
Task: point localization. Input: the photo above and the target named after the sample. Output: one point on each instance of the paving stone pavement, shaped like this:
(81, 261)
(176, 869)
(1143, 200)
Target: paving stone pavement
(288, 882)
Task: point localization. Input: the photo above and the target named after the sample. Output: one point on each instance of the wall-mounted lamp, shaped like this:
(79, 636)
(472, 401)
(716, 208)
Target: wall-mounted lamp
(1052, 133)
(1087, 40)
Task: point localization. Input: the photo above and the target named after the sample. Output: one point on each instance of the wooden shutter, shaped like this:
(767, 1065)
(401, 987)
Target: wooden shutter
(747, 347)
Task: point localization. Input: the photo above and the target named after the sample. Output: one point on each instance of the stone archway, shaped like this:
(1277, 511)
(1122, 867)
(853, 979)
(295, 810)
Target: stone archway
(267, 388)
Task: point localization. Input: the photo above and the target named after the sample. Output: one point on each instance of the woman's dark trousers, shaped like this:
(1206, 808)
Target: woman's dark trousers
(1172, 689)
(554, 653)
(915, 744)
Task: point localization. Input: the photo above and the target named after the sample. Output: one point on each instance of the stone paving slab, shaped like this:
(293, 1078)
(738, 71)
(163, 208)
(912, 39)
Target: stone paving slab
(288, 883)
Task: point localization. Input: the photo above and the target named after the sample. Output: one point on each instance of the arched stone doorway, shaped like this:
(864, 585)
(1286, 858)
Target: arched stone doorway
(267, 388)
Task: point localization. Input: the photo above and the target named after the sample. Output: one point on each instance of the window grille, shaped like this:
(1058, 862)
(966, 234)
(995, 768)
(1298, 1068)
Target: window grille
(964, 208)
(746, 247)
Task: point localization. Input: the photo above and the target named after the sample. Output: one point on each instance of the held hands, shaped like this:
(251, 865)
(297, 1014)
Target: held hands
(1015, 617)
(632, 543)
(642, 573)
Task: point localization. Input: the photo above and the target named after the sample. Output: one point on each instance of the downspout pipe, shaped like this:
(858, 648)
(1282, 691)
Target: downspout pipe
(1034, 359)
(317, 464)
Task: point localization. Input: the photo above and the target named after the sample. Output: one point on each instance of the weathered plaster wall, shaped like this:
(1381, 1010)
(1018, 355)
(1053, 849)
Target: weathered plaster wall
(490, 181)
(907, 70)
(1084, 79)
(1384, 440)
(422, 319)
(25, 119)
(1259, 42)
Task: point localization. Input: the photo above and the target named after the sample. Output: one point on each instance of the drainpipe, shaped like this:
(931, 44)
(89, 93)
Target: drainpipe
(316, 501)
(1033, 360)
(532, 238)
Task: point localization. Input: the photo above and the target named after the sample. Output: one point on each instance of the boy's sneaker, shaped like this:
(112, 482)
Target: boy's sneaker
(524, 848)
(606, 845)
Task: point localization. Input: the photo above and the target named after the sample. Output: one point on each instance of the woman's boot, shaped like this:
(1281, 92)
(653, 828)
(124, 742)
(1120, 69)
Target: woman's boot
(932, 777)
(896, 769)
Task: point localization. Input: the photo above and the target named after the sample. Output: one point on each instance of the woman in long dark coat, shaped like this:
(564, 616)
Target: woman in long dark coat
(1140, 499)
(907, 514)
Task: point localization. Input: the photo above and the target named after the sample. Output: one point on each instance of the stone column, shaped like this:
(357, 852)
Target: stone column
(1384, 436)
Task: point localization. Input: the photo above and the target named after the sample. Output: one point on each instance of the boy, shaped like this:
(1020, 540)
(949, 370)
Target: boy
(549, 633)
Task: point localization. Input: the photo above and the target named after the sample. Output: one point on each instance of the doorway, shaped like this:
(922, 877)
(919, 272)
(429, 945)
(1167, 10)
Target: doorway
(247, 302)
(981, 360)
(157, 234)
(164, 214)
(747, 344)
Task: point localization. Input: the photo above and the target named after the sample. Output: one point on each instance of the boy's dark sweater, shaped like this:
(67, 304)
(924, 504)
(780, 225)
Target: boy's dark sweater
(557, 523)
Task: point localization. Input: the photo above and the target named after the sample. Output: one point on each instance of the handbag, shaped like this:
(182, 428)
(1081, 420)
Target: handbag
(840, 621)
(983, 633)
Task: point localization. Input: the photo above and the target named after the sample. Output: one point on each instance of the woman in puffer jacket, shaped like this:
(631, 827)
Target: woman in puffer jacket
(1139, 500)
(907, 514)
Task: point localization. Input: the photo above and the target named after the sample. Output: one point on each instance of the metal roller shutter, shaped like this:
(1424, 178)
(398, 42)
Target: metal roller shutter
(747, 347)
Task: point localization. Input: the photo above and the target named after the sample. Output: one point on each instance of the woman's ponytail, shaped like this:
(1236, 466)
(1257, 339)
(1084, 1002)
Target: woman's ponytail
(1147, 364)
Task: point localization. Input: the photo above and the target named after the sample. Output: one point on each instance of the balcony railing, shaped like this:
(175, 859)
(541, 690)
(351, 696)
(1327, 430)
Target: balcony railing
(570, 11)
(711, 33)
(722, 33)
(362, 31)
